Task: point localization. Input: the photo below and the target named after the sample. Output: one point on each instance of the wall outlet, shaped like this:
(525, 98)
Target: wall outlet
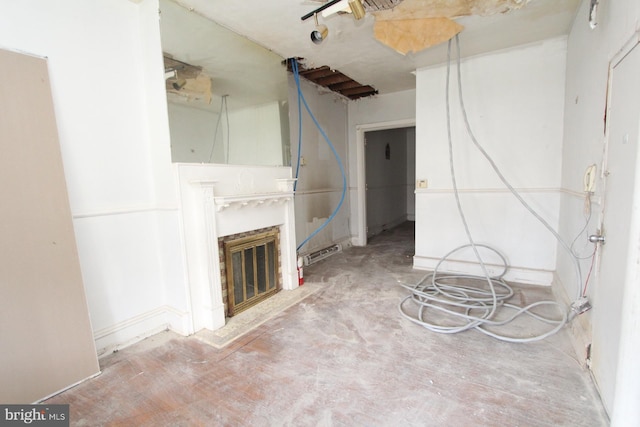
(581, 305)
(421, 183)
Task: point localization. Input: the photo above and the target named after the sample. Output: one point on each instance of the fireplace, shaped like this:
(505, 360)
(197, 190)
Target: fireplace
(250, 268)
(224, 202)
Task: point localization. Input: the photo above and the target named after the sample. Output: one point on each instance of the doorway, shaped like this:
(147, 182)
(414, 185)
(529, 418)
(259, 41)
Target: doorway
(361, 156)
(390, 173)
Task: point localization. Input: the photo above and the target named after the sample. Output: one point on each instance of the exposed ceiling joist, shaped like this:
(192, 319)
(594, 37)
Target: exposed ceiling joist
(335, 81)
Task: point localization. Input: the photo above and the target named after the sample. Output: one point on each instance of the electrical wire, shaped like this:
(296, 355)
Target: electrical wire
(226, 114)
(593, 261)
(294, 67)
(223, 104)
(474, 307)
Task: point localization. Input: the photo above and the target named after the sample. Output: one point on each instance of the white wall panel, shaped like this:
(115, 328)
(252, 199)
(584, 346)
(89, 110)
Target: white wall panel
(515, 106)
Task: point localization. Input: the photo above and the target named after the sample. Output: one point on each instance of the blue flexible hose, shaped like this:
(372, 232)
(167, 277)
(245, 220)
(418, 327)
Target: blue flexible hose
(294, 67)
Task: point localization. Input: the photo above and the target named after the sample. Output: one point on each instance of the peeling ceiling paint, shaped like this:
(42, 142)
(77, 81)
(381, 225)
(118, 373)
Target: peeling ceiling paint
(352, 47)
(415, 25)
(414, 9)
(414, 35)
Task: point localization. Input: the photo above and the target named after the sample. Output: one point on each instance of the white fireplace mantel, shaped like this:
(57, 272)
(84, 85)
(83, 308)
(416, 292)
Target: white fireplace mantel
(222, 200)
(251, 200)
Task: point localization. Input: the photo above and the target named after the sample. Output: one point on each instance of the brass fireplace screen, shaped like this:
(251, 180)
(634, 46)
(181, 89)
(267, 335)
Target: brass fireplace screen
(252, 270)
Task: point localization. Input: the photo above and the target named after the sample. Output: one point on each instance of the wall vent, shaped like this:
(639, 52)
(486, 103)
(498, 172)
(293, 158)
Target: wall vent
(321, 254)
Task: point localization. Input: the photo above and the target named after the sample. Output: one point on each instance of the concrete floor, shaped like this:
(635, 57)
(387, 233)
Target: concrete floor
(343, 356)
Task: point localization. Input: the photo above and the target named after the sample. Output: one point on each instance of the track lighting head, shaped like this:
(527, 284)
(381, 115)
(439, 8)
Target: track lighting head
(179, 84)
(357, 9)
(320, 33)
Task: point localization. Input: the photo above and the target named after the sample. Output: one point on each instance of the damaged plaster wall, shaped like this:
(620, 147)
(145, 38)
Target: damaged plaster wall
(319, 182)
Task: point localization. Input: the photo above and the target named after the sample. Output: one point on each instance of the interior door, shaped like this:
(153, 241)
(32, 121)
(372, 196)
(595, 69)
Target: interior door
(620, 200)
(46, 342)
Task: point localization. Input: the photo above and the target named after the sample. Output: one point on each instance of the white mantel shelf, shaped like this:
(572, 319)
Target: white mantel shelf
(212, 201)
(251, 200)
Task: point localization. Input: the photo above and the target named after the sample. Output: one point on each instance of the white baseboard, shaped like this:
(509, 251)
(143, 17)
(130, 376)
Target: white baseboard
(130, 331)
(514, 274)
(356, 241)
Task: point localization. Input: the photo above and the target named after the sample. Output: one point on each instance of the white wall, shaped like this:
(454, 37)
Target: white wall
(255, 135)
(248, 136)
(319, 186)
(514, 101)
(589, 52)
(115, 147)
(193, 134)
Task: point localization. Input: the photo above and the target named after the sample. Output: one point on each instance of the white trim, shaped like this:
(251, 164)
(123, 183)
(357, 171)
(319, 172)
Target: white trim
(125, 211)
(211, 294)
(361, 197)
(137, 328)
(626, 49)
(572, 193)
(514, 274)
(253, 200)
(320, 191)
(485, 190)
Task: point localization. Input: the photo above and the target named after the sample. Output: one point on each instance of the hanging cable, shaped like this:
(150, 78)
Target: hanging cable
(468, 306)
(333, 150)
(514, 192)
(223, 103)
(226, 114)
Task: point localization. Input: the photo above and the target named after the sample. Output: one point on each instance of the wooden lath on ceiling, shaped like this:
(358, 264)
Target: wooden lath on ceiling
(335, 81)
(376, 5)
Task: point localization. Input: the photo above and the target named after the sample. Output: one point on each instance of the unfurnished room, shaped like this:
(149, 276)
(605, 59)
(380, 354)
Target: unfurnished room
(320, 213)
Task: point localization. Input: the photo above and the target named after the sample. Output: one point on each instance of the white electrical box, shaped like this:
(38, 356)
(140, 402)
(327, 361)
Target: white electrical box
(421, 183)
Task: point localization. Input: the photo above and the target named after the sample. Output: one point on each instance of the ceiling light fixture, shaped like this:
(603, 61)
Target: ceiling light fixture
(357, 9)
(353, 6)
(320, 9)
(320, 33)
(179, 84)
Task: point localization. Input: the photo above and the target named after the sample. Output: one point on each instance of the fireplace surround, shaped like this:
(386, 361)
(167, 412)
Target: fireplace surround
(218, 201)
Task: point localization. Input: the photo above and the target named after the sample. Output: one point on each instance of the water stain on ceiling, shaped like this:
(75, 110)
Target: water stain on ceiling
(414, 25)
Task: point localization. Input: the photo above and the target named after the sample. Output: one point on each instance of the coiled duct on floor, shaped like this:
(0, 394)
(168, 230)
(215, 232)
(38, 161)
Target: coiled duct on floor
(464, 301)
